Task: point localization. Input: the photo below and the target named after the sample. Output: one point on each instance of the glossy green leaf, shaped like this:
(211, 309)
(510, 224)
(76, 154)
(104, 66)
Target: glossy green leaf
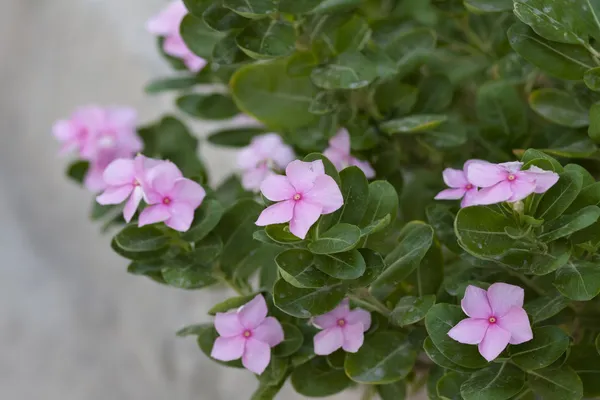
(413, 124)
(342, 237)
(267, 38)
(230, 304)
(547, 345)
(486, 6)
(306, 303)
(189, 277)
(252, 8)
(198, 37)
(317, 379)
(448, 386)
(545, 307)
(297, 267)
(594, 128)
(348, 71)
(374, 265)
(558, 107)
(206, 217)
(500, 106)
(578, 281)
(560, 196)
(347, 265)
(568, 224)
(280, 233)
(292, 341)
(496, 382)
(227, 52)
(147, 238)
(392, 391)
(355, 190)
(555, 383)
(442, 220)
(235, 137)
(592, 78)
(411, 309)
(438, 358)
(211, 106)
(585, 361)
(222, 19)
(167, 84)
(206, 339)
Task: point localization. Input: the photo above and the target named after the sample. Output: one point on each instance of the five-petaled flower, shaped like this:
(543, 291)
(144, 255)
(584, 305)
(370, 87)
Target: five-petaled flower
(258, 160)
(247, 333)
(303, 195)
(338, 153)
(166, 24)
(496, 318)
(460, 187)
(342, 328)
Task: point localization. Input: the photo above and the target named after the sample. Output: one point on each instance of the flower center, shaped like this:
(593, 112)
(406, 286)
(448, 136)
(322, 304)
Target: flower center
(135, 182)
(341, 322)
(511, 177)
(166, 200)
(492, 320)
(297, 196)
(247, 333)
(469, 187)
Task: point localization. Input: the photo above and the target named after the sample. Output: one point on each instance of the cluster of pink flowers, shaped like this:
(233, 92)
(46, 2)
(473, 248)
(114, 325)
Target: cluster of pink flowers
(338, 153)
(248, 333)
(482, 183)
(166, 24)
(171, 198)
(496, 318)
(99, 135)
(302, 195)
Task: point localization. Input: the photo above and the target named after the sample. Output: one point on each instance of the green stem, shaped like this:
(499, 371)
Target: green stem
(368, 393)
(365, 299)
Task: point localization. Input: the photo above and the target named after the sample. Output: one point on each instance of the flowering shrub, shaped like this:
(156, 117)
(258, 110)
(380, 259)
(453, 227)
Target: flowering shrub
(352, 116)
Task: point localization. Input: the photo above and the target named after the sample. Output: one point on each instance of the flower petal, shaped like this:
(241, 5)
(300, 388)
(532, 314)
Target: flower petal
(269, 331)
(469, 199)
(330, 319)
(544, 180)
(521, 188)
(302, 175)
(365, 167)
(485, 174)
(257, 356)
(305, 215)
(454, 178)
(252, 178)
(154, 214)
(248, 158)
(517, 323)
(181, 216)
(329, 340)
(337, 159)
(253, 313)
(353, 337)
(193, 62)
(161, 178)
(132, 204)
(277, 188)
(475, 303)
(114, 194)
(64, 130)
(228, 324)
(469, 330)
(503, 297)
(189, 192)
(228, 348)
(495, 341)
(93, 180)
(450, 194)
(278, 213)
(494, 194)
(341, 141)
(512, 166)
(359, 316)
(325, 193)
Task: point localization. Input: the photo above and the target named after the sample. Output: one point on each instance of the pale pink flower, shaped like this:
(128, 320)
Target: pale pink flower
(497, 318)
(460, 187)
(303, 195)
(258, 160)
(247, 333)
(172, 198)
(506, 181)
(338, 153)
(166, 24)
(342, 328)
(125, 178)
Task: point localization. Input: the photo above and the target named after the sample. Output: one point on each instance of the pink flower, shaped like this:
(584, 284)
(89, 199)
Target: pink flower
(258, 160)
(338, 153)
(302, 196)
(497, 318)
(342, 328)
(460, 186)
(172, 198)
(247, 333)
(166, 24)
(125, 178)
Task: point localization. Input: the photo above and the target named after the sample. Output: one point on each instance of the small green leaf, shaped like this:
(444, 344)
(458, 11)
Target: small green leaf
(555, 383)
(500, 108)
(592, 78)
(558, 107)
(448, 387)
(347, 265)
(411, 309)
(342, 237)
(189, 277)
(496, 382)
(78, 170)
(547, 345)
(297, 267)
(198, 37)
(374, 266)
(230, 304)
(579, 281)
(594, 128)
(222, 19)
(568, 224)
(349, 71)
(235, 137)
(413, 124)
(292, 341)
(211, 106)
(146, 238)
(355, 190)
(585, 361)
(306, 303)
(317, 379)
(267, 38)
(545, 307)
(252, 8)
(392, 391)
(167, 84)
(437, 357)
(489, 6)
(560, 196)
(280, 233)
(206, 218)
(442, 220)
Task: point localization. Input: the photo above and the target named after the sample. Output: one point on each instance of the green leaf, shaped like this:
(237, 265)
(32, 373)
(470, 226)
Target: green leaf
(500, 107)
(266, 92)
(545, 307)
(206, 339)
(410, 309)
(78, 170)
(301, 63)
(144, 239)
(167, 84)
(349, 71)
(438, 358)
(533, 154)
(227, 52)
(413, 124)
(594, 128)
(297, 6)
(280, 233)
(355, 190)
(376, 226)
(448, 387)
(396, 96)
(559, 107)
(496, 382)
(439, 320)
(329, 167)
(489, 6)
(267, 38)
(579, 281)
(374, 266)
(560, 196)
(342, 237)
(414, 242)
(435, 94)
(192, 330)
(252, 8)
(547, 345)
(188, 273)
(222, 19)
(198, 37)
(442, 220)
(592, 78)
(555, 383)
(585, 361)
(230, 304)
(348, 265)
(568, 224)
(392, 391)
(297, 267)
(206, 218)
(383, 200)
(384, 357)
(317, 379)
(234, 137)
(292, 341)
(306, 303)
(211, 106)
(565, 61)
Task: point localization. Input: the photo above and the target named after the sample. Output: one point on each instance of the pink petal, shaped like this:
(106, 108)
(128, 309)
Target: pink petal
(503, 297)
(331, 318)
(302, 175)
(512, 166)
(496, 339)
(450, 194)
(253, 313)
(329, 340)
(93, 180)
(154, 214)
(161, 179)
(278, 213)
(475, 303)
(325, 193)
(359, 316)
(254, 177)
(365, 167)
(181, 216)
(257, 356)
(64, 130)
(338, 159)
(228, 348)
(132, 204)
(114, 194)
(517, 323)
(228, 324)
(305, 215)
(469, 331)
(341, 141)
(521, 189)
(119, 172)
(123, 117)
(248, 158)
(283, 155)
(494, 194)
(188, 191)
(194, 63)
(469, 199)
(544, 180)
(353, 337)
(485, 174)
(269, 331)
(277, 188)
(175, 46)
(266, 145)
(454, 178)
